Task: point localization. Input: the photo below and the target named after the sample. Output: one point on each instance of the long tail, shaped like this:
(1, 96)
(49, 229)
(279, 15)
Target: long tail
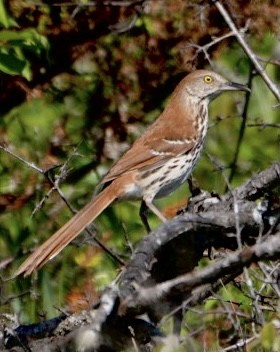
(69, 231)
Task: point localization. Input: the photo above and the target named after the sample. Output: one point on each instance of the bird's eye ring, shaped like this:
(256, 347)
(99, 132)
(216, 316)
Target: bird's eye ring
(208, 79)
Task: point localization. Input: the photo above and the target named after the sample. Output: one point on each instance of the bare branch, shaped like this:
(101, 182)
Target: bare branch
(145, 287)
(119, 3)
(270, 249)
(259, 184)
(55, 187)
(271, 85)
(27, 163)
(204, 48)
(244, 115)
(263, 125)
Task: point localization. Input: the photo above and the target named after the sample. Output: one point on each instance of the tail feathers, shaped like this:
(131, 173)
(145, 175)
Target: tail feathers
(60, 239)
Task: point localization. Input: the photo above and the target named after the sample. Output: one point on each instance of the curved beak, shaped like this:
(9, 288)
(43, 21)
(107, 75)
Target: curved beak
(237, 86)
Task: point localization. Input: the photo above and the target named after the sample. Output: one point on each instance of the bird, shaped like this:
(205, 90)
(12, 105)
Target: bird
(158, 162)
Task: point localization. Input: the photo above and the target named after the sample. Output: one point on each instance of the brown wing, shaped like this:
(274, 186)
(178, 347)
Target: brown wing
(172, 134)
(148, 153)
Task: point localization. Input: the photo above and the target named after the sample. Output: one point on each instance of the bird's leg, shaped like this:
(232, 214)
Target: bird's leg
(144, 215)
(155, 210)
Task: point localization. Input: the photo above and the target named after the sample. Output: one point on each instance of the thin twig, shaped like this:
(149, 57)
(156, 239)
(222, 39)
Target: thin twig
(221, 169)
(204, 48)
(271, 85)
(59, 178)
(269, 61)
(263, 125)
(248, 280)
(244, 115)
(55, 187)
(104, 3)
(240, 344)
(27, 163)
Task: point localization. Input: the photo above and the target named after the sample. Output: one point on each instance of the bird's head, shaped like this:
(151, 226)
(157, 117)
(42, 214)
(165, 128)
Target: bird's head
(208, 84)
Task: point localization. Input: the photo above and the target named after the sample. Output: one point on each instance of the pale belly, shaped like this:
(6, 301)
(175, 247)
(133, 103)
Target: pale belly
(169, 176)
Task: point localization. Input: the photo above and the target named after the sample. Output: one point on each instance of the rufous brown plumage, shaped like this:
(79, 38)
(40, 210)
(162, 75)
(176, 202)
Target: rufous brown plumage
(156, 164)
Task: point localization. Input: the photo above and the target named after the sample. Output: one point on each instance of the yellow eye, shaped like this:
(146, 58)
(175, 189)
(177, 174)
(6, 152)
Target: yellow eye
(208, 79)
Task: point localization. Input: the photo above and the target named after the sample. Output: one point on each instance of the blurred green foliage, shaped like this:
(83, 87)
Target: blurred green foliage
(16, 47)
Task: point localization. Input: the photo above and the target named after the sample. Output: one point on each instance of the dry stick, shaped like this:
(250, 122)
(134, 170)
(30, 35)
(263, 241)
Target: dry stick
(214, 41)
(55, 186)
(258, 184)
(30, 165)
(249, 282)
(244, 116)
(271, 85)
(263, 125)
(268, 277)
(204, 48)
(240, 344)
(119, 3)
(199, 294)
(269, 61)
(146, 296)
(231, 315)
(221, 168)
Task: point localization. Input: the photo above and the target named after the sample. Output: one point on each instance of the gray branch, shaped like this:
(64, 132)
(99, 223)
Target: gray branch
(160, 278)
(254, 59)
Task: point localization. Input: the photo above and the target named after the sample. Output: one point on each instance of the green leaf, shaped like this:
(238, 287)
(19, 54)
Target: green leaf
(15, 47)
(10, 63)
(29, 37)
(5, 20)
(14, 65)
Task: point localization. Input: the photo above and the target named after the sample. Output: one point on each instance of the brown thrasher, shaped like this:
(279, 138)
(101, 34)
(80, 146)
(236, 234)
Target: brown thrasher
(157, 163)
